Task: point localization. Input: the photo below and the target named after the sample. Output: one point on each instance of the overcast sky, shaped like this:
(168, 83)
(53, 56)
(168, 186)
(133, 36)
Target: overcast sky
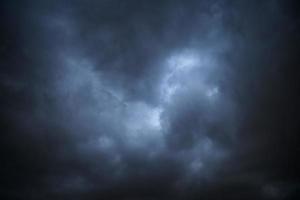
(149, 99)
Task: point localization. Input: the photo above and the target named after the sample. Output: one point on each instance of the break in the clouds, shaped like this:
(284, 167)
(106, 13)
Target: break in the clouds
(149, 99)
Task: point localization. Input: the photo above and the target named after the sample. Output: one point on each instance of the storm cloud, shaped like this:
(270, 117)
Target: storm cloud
(149, 99)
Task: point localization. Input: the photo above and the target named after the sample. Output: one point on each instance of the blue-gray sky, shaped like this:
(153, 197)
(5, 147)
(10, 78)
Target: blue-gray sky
(149, 100)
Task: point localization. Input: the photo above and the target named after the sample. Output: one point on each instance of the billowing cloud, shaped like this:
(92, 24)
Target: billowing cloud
(149, 99)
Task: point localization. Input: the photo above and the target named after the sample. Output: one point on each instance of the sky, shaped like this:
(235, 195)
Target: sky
(149, 99)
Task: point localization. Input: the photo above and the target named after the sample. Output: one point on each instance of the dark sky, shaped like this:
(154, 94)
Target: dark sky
(149, 99)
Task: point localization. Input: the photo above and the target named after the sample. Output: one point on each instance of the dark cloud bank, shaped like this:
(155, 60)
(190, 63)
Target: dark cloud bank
(149, 100)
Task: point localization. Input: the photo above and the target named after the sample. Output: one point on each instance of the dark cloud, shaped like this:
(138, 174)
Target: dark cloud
(149, 99)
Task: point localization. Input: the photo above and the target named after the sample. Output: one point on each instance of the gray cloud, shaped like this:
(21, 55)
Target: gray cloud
(149, 100)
